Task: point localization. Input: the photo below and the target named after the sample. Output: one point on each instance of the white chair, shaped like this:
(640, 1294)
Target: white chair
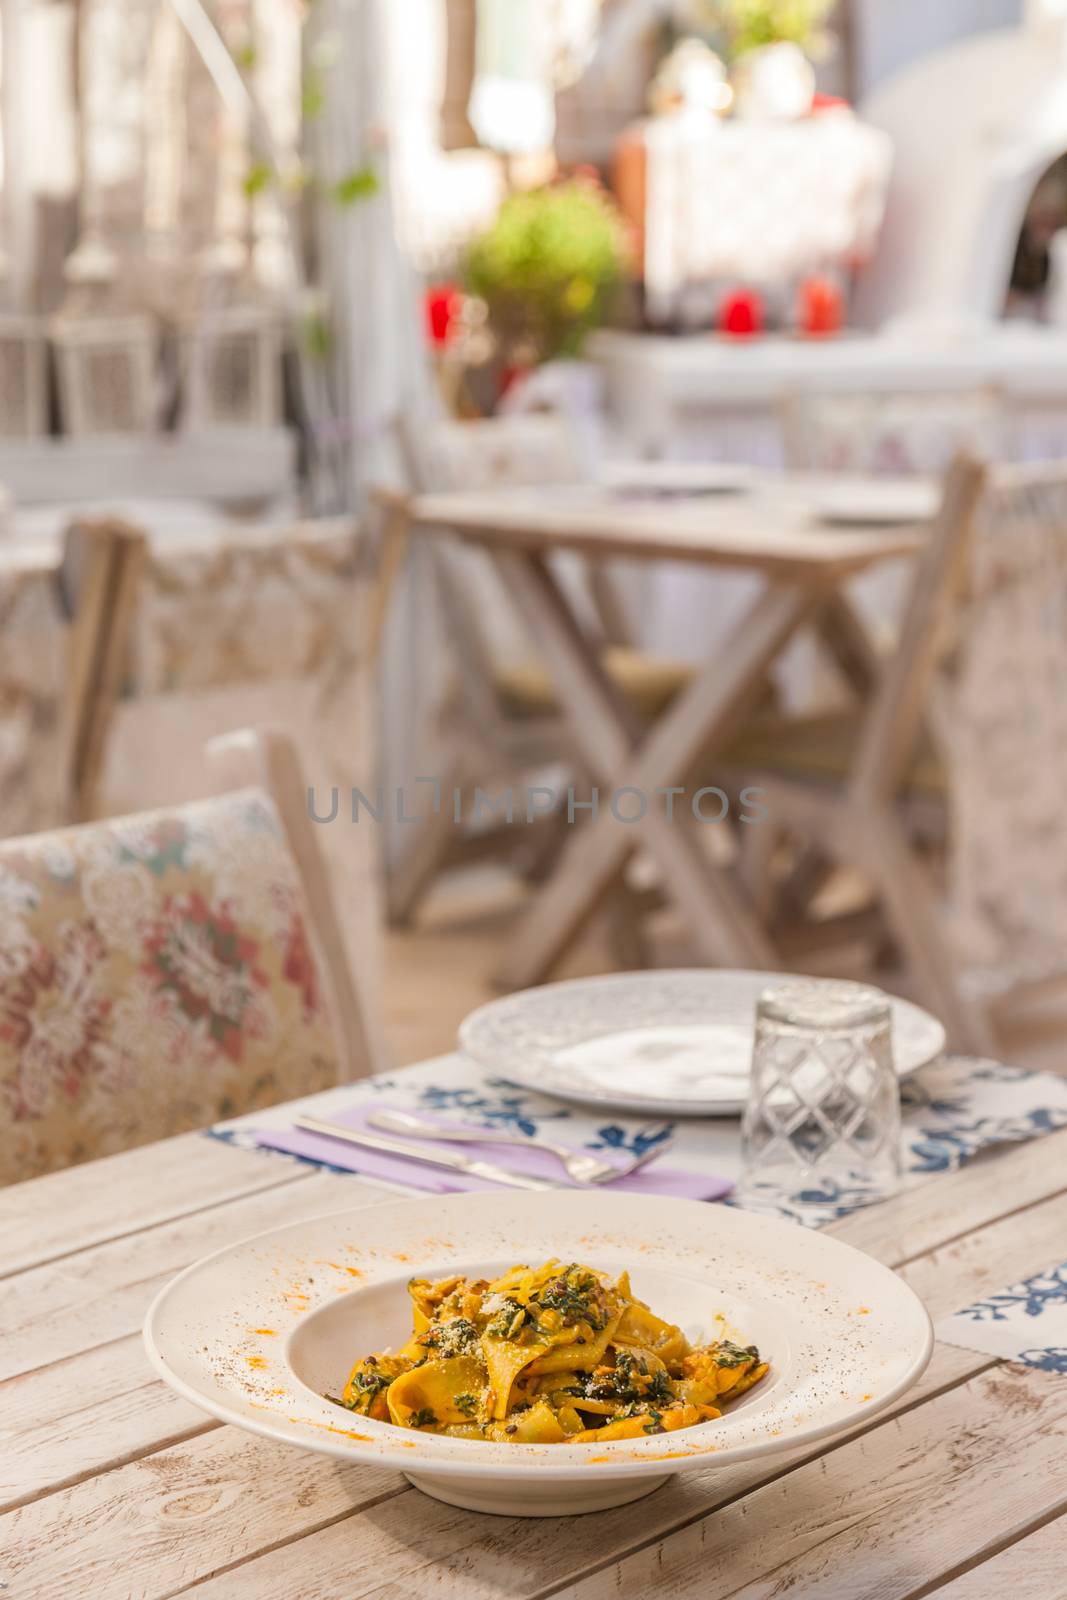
(232, 368)
(105, 368)
(892, 431)
(23, 377)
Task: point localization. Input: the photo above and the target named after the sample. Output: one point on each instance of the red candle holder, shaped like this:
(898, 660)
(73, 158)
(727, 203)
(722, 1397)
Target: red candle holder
(442, 306)
(821, 308)
(742, 314)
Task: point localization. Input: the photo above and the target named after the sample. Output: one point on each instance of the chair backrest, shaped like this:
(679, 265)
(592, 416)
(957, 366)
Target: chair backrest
(161, 971)
(1000, 717)
(893, 432)
(501, 451)
(245, 606)
(518, 451)
(243, 609)
(101, 570)
(893, 723)
(982, 661)
(54, 629)
(36, 728)
(441, 455)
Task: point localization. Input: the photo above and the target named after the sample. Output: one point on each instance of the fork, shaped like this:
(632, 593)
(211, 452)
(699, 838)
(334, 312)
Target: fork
(584, 1169)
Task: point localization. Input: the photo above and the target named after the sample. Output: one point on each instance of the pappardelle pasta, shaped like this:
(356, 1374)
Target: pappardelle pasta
(546, 1355)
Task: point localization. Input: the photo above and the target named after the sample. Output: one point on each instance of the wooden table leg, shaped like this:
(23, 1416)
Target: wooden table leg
(726, 928)
(847, 639)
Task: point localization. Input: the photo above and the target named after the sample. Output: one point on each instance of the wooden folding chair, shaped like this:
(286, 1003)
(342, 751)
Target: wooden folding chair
(201, 619)
(501, 721)
(877, 430)
(278, 624)
(843, 784)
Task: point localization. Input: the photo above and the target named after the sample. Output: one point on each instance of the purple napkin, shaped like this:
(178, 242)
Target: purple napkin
(654, 1179)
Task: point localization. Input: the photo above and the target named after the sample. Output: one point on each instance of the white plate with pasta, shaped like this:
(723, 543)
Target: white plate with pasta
(440, 1338)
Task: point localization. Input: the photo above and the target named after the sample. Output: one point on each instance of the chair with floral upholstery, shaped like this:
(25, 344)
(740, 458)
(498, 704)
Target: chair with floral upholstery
(164, 970)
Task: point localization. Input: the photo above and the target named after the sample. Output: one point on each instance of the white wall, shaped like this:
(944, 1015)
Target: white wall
(891, 33)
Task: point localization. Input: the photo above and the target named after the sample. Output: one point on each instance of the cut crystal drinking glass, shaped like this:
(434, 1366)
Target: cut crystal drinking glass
(821, 1129)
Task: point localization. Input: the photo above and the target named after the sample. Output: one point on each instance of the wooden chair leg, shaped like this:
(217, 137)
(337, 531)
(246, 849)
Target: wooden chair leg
(887, 857)
(433, 842)
(538, 863)
(623, 910)
(627, 937)
(757, 846)
(810, 873)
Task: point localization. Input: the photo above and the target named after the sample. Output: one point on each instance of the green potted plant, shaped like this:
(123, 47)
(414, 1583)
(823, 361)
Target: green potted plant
(548, 268)
(753, 24)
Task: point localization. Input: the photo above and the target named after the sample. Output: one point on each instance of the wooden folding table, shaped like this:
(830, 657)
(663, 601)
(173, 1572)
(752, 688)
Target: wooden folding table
(773, 532)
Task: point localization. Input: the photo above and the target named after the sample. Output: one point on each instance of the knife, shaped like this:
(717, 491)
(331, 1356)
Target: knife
(451, 1160)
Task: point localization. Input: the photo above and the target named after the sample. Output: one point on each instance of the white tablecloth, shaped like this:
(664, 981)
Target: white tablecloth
(733, 201)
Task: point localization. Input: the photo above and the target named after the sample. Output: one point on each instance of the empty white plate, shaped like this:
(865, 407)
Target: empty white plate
(677, 1043)
(676, 479)
(876, 503)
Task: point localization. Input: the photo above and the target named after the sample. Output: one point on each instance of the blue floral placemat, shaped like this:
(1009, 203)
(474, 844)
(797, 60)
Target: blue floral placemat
(951, 1112)
(1026, 1322)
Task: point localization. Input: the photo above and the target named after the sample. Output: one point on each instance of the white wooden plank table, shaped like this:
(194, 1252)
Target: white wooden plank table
(771, 532)
(113, 1486)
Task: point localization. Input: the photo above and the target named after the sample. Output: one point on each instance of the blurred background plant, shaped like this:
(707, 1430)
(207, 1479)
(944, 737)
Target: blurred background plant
(739, 26)
(317, 183)
(548, 269)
